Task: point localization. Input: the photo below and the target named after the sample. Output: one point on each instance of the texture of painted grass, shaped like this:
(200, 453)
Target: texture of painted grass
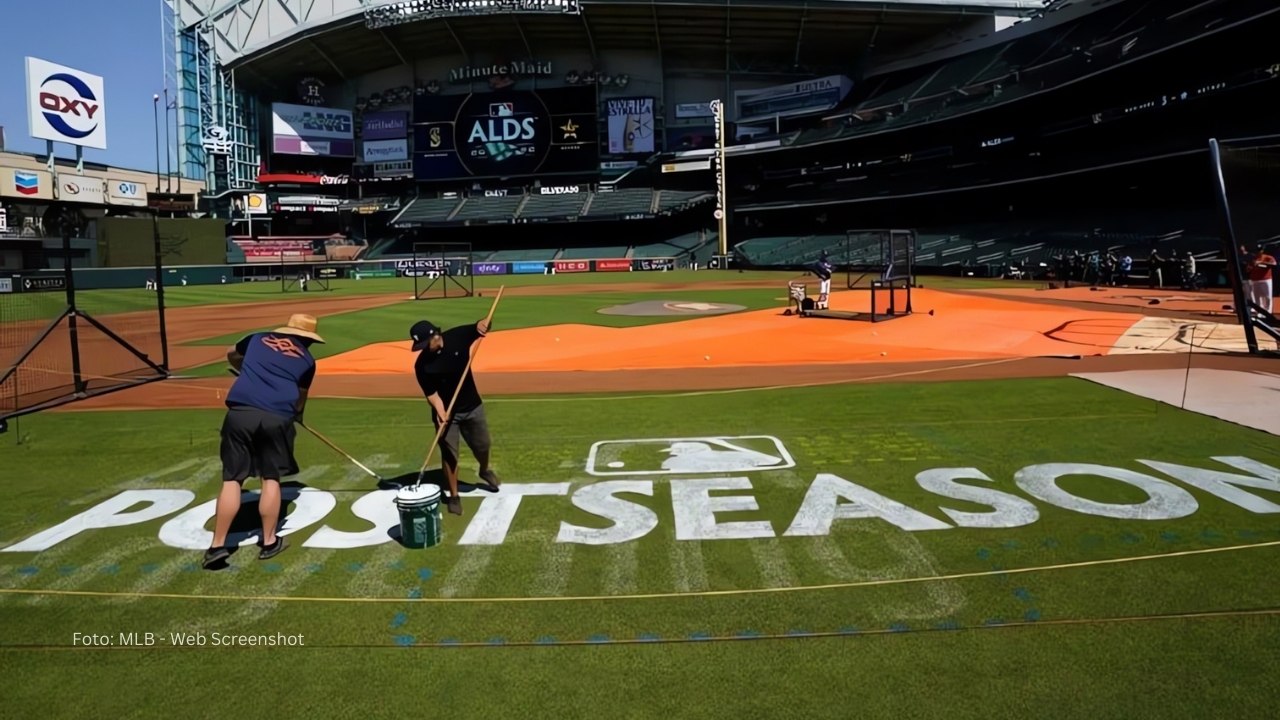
(876, 436)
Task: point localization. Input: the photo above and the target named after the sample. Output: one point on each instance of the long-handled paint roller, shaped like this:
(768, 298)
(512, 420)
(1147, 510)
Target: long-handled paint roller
(326, 441)
(475, 349)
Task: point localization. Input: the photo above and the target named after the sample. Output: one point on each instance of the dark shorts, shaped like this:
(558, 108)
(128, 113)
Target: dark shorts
(257, 443)
(472, 427)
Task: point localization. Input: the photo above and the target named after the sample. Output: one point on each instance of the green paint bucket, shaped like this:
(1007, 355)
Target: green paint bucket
(420, 518)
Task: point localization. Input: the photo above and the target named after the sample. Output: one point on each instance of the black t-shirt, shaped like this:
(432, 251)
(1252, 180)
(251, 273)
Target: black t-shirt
(440, 372)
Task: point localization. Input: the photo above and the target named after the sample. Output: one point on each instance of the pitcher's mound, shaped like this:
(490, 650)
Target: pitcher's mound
(655, 308)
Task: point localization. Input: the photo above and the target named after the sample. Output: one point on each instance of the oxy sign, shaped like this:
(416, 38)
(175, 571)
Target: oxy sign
(65, 105)
(703, 507)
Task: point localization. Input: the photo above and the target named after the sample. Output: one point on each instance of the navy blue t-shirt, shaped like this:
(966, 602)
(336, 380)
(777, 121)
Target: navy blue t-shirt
(275, 367)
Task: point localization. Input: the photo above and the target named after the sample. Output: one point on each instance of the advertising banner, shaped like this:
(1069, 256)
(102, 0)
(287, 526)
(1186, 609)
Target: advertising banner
(27, 184)
(560, 189)
(88, 190)
(630, 125)
(255, 204)
(528, 268)
(571, 266)
(385, 126)
(693, 110)
(505, 134)
(489, 268)
(65, 105)
(656, 263)
(263, 251)
(385, 150)
(125, 192)
(306, 130)
(612, 265)
(808, 96)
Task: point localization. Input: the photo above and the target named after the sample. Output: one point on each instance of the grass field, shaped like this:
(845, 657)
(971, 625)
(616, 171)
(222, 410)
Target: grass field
(1031, 548)
(130, 300)
(845, 580)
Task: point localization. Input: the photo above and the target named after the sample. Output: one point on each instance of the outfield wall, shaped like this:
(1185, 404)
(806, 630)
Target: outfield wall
(130, 242)
(138, 277)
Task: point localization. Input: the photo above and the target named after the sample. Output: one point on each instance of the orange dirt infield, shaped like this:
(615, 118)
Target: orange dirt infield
(972, 335)
(963, 327)
(1169, 301)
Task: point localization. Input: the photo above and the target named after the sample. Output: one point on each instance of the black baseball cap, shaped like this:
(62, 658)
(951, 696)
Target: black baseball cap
(421, 334)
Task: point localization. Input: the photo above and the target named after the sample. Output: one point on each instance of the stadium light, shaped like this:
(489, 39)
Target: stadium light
(406, 11)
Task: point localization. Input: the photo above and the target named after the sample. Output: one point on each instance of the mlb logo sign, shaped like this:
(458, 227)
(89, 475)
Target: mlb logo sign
(504, 109)
(688, 456)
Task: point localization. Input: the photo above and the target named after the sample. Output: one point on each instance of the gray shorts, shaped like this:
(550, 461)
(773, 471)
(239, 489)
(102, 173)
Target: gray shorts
(473, 427)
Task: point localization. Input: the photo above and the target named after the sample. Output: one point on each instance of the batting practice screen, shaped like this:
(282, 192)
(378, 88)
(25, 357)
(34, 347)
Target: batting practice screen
(440, 270)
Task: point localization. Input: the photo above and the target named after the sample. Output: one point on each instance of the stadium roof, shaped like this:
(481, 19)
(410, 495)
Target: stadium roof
(276, 41)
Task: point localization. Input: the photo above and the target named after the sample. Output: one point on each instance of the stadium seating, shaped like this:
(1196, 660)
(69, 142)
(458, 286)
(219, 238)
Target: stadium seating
(1027, 64)
(625, 201)
(488, 208)
(524, 255)
(593, 253)
(553, 206)
(428, 210)
(672, 200)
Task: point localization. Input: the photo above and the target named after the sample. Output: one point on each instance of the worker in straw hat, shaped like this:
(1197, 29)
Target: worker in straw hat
(275, 372)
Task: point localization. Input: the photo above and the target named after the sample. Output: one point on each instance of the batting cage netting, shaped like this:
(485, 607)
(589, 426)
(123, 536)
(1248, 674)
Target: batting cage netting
(1246, 174)
(441, 270)
(885, 255)
(60, 343)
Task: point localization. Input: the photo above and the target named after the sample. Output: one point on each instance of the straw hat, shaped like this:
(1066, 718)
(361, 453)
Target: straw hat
(302, 326)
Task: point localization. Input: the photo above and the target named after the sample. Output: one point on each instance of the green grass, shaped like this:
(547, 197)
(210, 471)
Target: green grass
(120, 300)
(950, 652)
(348, 331)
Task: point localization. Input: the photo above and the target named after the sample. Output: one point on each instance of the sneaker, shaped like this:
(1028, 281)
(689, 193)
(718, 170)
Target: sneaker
(214, 557)
(491, 477)
(454, 504)
(274, 549)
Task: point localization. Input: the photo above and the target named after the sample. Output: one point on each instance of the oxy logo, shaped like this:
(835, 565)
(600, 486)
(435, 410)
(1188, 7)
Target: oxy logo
(688, 456)
(70, 105)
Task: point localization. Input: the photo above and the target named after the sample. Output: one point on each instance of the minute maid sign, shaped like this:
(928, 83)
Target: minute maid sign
(707, 481)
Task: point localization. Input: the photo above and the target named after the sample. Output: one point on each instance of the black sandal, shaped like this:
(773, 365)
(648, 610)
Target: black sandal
(269, 551)
(214, 556)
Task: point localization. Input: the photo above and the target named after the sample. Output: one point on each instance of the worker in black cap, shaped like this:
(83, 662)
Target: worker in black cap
(442, 360)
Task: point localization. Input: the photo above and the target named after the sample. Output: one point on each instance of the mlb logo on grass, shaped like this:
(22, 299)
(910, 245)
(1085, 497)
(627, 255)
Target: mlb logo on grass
(688, 456)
